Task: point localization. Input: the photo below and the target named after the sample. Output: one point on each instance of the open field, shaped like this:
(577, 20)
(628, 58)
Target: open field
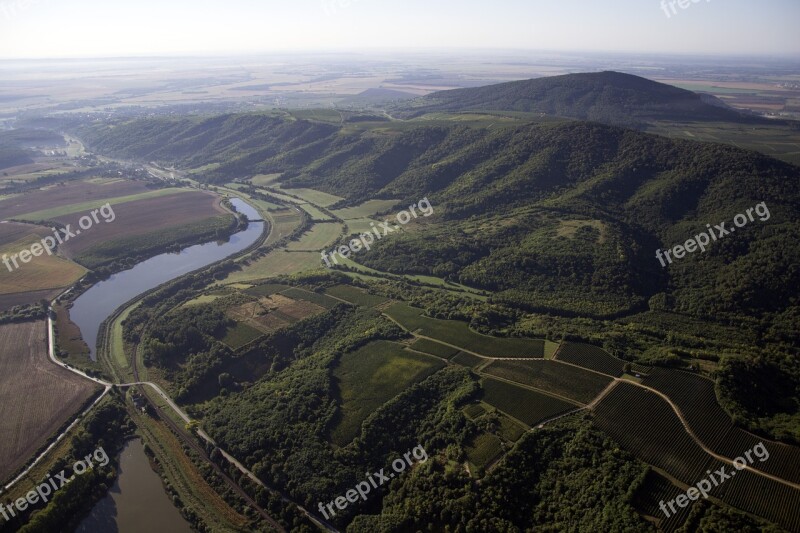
(356, 296)
(36, 396)
(591, 357)
(263, 180)
(365, 210)
(284, 223)
(525, 405)
(371, 376)
(314, 212)
(576, 384)
(315, 197)
(361, 225)
(459, 334)
(73, 192)
(274, 264)
(141, 217)
(85, 207)
(318, 238)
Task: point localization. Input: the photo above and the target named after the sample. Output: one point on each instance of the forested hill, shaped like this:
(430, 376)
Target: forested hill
(607, 97)
(541, 214)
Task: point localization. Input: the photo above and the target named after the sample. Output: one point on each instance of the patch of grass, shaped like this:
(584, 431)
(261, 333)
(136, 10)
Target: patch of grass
(527, 406)
(369, 377)
(356, 296)
(240, 334)
(458, 333)
(262, 180)
(360, 225)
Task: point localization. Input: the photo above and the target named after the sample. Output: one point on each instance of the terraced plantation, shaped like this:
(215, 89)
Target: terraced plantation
(576, 384)
(459, 334)
(591, 357)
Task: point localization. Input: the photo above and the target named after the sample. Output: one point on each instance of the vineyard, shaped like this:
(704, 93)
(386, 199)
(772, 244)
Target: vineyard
(591, 357)
(695, 397)
(579, 385)
(458, 333)
(525, 405)
(644, 424)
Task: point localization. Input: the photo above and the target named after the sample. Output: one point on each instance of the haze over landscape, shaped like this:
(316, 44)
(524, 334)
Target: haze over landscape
(360, 266)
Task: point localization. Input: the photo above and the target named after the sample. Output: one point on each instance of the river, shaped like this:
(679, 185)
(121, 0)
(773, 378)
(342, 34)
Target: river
(137, 501)
(95, 305)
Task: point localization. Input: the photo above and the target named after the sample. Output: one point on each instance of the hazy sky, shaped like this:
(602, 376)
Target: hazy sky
(58, 28)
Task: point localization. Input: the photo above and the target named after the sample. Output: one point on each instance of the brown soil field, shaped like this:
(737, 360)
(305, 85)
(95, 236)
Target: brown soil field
(36, 396)
(73, 192)
(141, 217)
(8, 301)
(40, 273)
(13, 231)
(271, 313)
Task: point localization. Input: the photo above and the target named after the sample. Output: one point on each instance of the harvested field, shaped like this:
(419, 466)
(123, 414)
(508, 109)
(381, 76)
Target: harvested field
(315, 197)
(42, 277)
(74, 192)
(36, 396)
(143, 216)
(284, 223)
